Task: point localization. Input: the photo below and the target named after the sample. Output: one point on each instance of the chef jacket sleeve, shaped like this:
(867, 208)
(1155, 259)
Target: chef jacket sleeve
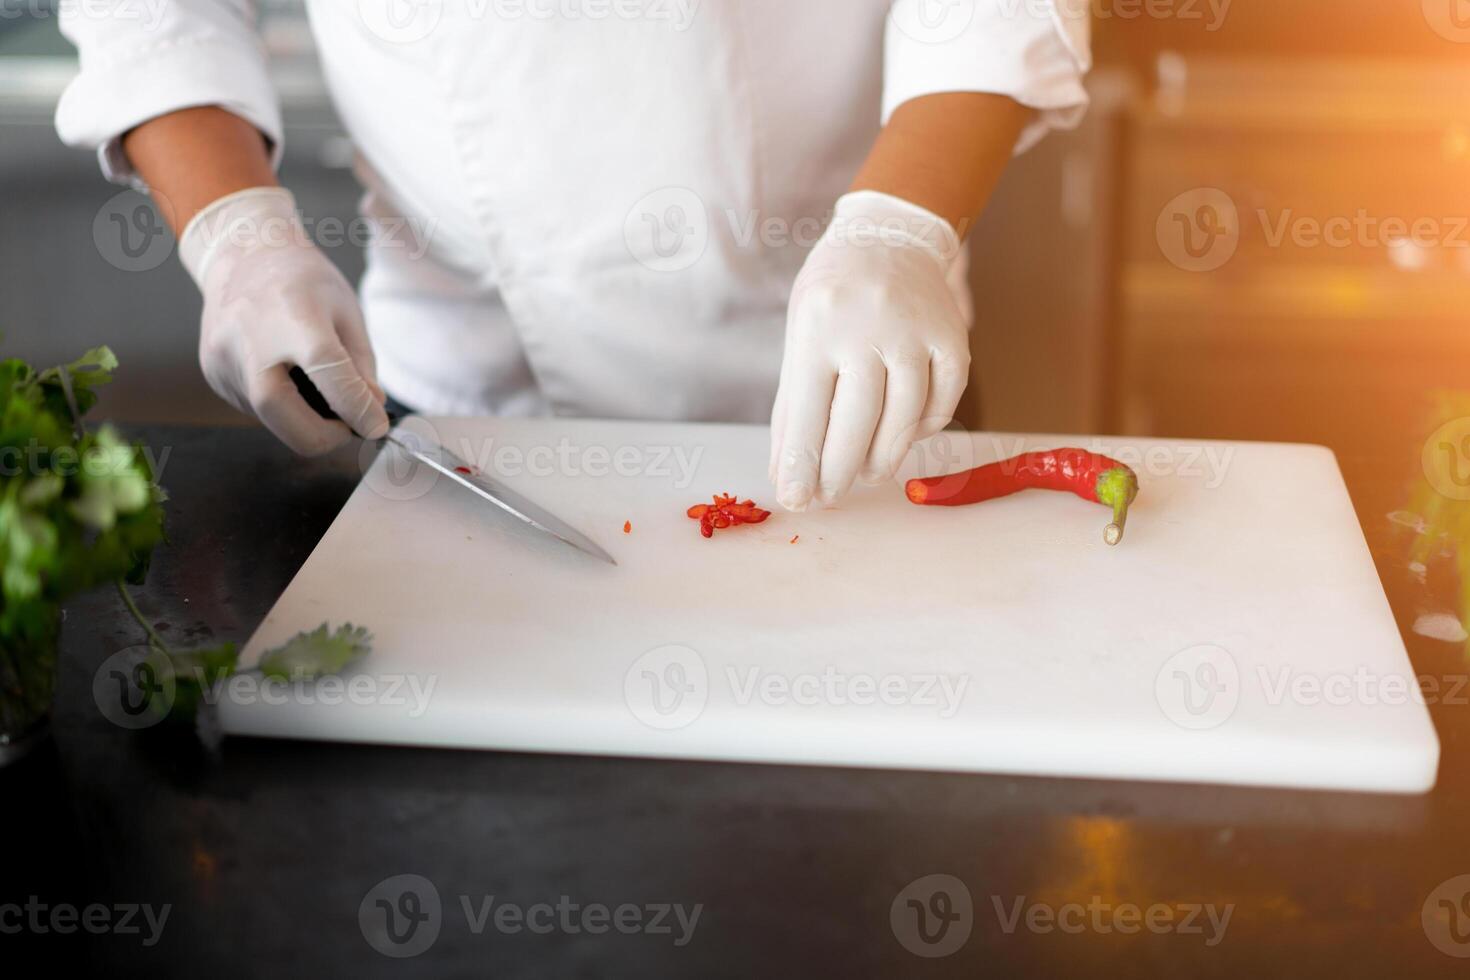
(1034, 51)
(141, 60)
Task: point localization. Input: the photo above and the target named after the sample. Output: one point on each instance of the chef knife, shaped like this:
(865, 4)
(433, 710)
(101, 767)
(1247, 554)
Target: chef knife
(443, 461)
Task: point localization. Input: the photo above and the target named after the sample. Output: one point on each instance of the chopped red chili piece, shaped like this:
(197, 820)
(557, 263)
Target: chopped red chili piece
(465, 470)
(627, 527)
(726, 511)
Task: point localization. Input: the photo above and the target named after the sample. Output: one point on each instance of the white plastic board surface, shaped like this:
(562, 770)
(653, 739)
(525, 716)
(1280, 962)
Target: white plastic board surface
(1238, 634)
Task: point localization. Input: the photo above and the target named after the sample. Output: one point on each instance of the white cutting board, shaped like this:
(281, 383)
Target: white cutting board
(1239, 634)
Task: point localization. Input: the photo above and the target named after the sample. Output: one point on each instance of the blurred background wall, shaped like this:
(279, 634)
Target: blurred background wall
(1267, 218)
(1258, 233)
(87, 261)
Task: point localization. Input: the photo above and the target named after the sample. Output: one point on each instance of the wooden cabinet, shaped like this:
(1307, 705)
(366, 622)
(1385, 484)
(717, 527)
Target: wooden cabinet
(1043, 268)
(1295, 249)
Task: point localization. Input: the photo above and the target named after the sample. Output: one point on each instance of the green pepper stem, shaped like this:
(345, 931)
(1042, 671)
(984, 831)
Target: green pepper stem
(1116, 488)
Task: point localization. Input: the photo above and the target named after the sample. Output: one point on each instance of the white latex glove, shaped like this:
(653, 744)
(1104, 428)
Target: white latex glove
(273, 301)
(877, 349)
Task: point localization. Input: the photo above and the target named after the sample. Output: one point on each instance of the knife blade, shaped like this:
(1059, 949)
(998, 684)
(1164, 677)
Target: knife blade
(446, 462)
(500, 495)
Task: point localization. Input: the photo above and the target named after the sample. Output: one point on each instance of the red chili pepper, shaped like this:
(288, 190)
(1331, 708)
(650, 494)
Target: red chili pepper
(1090, 476)
(627, 527)
(465, 470)
(726, 511)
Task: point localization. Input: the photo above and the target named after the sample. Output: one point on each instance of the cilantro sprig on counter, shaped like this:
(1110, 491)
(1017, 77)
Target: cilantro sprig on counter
(79, 509)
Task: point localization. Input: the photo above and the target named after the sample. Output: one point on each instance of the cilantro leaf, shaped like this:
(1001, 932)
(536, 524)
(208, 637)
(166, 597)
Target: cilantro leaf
(93, 368)
(112, 482)
(310, 655)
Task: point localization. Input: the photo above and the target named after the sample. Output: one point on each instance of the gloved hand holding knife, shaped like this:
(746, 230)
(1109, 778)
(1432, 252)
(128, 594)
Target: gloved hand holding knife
(273, 301)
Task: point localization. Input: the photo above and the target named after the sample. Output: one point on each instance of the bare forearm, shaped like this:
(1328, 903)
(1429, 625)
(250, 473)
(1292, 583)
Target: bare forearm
(945, 153)
(194, 156)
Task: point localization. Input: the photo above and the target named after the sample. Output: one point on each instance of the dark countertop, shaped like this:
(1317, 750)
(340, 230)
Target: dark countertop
(266, 851)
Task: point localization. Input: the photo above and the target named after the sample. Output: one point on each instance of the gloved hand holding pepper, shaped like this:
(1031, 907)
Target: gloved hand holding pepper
(273, 301)
(877, 349)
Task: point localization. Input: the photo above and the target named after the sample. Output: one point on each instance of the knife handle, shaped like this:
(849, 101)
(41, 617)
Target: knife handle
(318, 402)
(311, 395)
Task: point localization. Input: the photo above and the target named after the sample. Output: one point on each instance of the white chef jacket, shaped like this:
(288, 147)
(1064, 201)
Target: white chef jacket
(614, 196)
